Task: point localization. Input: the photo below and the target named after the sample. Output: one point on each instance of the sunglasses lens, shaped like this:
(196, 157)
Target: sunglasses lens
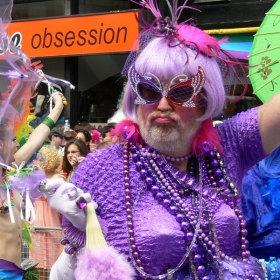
(181, 95)
(148, 93)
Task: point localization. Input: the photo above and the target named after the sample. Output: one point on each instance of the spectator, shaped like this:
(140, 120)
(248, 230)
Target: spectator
(96, 139)
(46, 242)
(84, 135)
(56, 136)
(75, 152)
(83, 125)
(105, 144)
(105, 131)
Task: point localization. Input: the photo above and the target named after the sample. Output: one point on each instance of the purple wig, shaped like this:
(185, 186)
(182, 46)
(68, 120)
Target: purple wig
(166, 62)
(168, 48)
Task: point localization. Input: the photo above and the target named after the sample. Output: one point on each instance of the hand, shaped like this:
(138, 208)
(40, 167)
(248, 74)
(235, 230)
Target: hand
(58, 98)
(92, 147)
(62, 198)
(63, 175)
(80, 159)
(73, 161)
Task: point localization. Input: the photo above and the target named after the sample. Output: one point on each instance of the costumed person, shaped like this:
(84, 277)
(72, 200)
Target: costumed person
(10, 232)
(169, 195)
(46, 242)
(261, 207)
(18, 78)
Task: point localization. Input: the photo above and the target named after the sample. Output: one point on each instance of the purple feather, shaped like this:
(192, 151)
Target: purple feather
(105, 264)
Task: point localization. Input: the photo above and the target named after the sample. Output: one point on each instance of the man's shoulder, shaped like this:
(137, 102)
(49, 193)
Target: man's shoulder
(114, 151)
(102, 158)
(100, 167)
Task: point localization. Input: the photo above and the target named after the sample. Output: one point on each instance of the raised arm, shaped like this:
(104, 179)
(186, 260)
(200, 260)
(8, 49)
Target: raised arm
(269, 123)
(41, 132)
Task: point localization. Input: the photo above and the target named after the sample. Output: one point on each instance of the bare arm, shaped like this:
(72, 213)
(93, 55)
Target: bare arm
(41, 132)
(269, 123)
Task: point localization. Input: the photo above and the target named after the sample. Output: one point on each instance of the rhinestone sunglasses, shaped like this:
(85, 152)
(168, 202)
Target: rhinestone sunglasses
(181, 90)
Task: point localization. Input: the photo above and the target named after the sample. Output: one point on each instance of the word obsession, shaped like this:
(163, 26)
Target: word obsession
(79, 38)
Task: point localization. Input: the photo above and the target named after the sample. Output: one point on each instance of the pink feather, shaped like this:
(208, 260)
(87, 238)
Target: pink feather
(198, 38)
(151, 5)
(103, 264)
(95, 136)
(207, 133)
(128, 130)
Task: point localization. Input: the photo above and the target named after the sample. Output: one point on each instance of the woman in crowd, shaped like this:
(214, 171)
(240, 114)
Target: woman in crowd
(74, 153)
(85, 136)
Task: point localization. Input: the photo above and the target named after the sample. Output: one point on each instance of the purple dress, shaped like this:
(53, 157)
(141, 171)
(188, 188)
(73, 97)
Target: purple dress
(158, 235)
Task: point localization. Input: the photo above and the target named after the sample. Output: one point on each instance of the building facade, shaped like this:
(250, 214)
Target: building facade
(97, 76)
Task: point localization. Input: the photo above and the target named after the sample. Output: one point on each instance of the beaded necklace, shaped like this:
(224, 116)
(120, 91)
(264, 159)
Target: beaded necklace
(192, 198)
(9, 200)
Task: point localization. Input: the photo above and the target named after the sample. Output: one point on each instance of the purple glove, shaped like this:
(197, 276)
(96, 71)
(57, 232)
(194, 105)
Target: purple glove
(68, 200)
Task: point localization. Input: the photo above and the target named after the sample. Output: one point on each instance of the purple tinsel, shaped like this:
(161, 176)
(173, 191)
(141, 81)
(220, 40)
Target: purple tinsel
(78, 237)
(73, 234)
(24, 181)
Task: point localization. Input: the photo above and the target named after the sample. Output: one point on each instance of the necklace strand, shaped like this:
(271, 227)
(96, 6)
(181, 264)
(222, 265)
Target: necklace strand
(197, 227)
(170, 188)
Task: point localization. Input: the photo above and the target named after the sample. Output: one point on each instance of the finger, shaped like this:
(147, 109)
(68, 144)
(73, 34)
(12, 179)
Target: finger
(87, 197)
(82, 201)
(54, 93)
(80, 192)
(80, 159)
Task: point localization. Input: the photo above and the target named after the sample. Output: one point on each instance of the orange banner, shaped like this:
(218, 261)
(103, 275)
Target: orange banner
(76, 35)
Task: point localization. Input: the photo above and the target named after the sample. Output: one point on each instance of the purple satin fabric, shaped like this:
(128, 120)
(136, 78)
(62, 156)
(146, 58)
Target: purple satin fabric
(157, 234)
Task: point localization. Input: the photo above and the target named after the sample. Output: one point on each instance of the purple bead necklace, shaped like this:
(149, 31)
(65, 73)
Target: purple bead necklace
(170, 203)
(192, 197)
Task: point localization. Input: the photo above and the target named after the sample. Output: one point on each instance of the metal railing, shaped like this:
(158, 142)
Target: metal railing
(45, 248)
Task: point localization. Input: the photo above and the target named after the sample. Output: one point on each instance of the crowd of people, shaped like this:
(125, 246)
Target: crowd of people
(167, 186)
(58, 156)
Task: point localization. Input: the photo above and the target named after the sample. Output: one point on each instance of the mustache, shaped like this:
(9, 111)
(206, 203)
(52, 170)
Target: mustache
(168, 114)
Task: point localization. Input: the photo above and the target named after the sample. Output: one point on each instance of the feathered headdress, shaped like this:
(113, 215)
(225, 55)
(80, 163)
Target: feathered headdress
(188, 35)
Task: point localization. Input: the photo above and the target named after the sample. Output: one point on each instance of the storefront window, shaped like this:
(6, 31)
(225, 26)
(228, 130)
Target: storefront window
(30, 9)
